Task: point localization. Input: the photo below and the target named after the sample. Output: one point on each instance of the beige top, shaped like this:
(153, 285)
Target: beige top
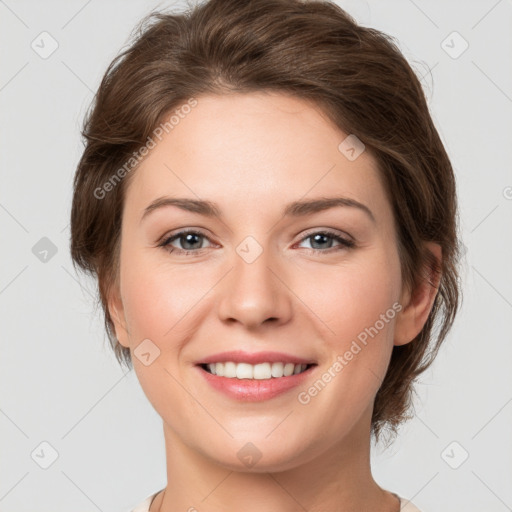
(405, 505)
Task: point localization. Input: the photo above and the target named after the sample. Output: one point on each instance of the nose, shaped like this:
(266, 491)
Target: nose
(255, 292)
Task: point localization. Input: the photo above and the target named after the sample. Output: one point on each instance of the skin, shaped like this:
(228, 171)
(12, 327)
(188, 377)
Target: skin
(252, 154)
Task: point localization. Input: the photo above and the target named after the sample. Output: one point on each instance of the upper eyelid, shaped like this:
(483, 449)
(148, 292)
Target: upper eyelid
(328, 231)
(182, 232)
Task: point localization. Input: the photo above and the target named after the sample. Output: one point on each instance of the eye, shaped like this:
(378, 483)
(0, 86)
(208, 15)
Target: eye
(191, 242)
(323, 241)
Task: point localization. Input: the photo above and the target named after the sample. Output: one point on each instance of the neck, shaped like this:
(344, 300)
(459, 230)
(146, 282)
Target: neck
(338, 479)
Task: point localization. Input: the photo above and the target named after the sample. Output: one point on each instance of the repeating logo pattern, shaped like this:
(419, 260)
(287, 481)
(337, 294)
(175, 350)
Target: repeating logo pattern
(45, 59)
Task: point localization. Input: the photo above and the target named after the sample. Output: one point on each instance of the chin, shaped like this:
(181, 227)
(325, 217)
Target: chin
(257, 456)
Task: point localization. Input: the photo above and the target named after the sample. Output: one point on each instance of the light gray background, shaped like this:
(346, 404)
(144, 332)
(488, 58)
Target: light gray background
(61, 385)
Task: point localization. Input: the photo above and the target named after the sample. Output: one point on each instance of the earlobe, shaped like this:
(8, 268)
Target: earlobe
(418, 303)
(116, 311)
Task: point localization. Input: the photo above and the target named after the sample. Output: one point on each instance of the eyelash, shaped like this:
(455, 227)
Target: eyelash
(344, 243)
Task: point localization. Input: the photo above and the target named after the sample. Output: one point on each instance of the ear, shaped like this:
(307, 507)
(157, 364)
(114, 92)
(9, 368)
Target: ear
(418, 303)
(116, 310)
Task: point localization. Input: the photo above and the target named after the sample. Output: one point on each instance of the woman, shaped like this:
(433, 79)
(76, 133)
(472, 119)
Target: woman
(225, 147)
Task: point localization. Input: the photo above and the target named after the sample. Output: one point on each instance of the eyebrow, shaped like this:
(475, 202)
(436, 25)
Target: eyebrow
(294, 209)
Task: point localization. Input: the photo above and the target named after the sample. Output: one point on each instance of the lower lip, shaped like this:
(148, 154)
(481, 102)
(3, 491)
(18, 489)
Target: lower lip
(254, 390)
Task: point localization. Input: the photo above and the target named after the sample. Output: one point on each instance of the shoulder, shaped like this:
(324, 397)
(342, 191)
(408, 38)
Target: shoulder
(144, 505)
(407, 506)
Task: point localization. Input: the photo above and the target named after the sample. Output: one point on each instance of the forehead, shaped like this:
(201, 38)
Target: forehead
(255, 149)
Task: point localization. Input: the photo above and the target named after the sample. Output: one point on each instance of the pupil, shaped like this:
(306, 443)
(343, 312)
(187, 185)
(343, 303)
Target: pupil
(315, 238)
(187, 240)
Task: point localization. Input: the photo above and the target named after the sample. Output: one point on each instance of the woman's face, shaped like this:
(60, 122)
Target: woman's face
(267, 279)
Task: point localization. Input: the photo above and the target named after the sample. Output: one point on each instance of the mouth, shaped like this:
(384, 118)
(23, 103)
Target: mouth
(260, 371)
(255, 377)
(245, 382)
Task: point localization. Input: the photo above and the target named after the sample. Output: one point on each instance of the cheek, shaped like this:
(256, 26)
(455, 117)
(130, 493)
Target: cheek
(358, 307)
(359, 298)
(166, 304)
(156, 299)
(159, 305)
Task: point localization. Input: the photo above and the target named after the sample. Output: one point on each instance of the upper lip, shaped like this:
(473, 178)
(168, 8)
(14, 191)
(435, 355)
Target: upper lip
(239, 356)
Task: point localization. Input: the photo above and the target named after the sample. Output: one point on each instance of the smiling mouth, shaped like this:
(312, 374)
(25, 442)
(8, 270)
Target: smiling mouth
(261, 371)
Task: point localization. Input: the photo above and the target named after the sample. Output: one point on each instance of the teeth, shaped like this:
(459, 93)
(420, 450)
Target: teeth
(243, 371)
(219, 369)
(260, 371)
(288, 369)
(277, 369)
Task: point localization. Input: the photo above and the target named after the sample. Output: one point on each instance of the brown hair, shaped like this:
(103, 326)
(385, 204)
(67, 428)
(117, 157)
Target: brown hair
(312, 50)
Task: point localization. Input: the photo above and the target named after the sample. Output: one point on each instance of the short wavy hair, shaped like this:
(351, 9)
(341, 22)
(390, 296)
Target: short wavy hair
(312, 50)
